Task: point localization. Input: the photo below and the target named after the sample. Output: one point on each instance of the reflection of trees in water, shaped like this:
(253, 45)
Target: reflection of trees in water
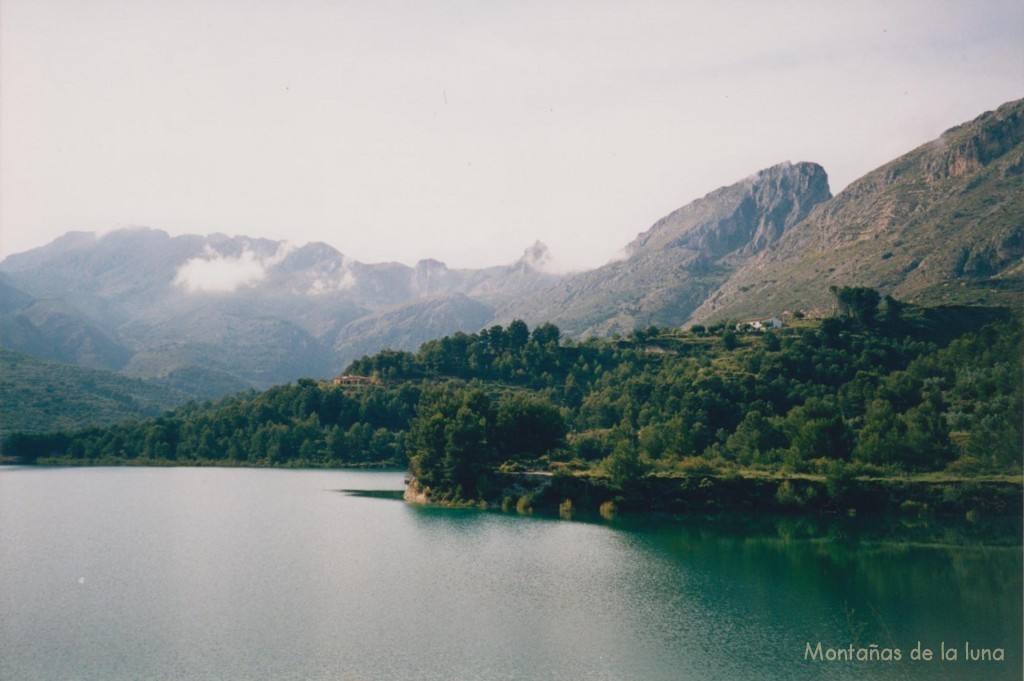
(875, 580)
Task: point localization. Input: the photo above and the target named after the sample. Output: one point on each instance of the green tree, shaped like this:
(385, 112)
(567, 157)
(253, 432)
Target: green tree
(547, 334)
(451, 434)
(882, 436)
(528, 426)
(468, 454)
(857, 301)
(517, 334)
(816, 429)
(428, 438)
(995, 440)
(625, 467)
(754, 438)
(927, 439)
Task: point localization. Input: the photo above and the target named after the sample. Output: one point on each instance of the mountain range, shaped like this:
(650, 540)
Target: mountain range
(207, 315)
(236, 312)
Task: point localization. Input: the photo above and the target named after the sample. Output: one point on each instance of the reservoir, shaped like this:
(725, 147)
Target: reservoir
(250, 574)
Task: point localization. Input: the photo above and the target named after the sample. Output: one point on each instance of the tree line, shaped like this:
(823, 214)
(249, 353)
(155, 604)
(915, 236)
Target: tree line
(873, 389)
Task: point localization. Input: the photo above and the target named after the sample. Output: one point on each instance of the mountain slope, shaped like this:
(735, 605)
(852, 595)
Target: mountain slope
(409, 326)
(941, 224)
(43, 396)
(670, 269)
(53, 329)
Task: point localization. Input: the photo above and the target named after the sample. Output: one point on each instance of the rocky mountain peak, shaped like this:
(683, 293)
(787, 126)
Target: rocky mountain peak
(742, 218)
(783, 195)
(430, 276)
(537, 257)
(312, 255)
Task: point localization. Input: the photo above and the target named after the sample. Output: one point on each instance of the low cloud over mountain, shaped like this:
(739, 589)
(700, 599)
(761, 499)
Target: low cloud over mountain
(218, 273)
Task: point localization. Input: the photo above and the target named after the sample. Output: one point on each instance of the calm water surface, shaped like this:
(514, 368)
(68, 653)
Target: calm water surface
(120, 573)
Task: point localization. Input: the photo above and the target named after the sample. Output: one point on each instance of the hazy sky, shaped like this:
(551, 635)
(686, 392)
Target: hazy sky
(463, 131)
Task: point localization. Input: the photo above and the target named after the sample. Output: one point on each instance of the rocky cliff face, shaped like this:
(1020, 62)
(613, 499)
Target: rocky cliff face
(670, 268)
(741, 219)
(966, 149)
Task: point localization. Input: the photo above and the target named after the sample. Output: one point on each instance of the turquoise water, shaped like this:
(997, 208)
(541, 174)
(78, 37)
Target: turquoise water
(179, 573)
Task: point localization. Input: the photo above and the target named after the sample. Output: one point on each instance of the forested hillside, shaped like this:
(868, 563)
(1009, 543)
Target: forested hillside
(878, 389)
(41, 396)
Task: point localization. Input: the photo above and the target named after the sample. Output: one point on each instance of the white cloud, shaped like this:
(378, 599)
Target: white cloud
(343, 282)
(347, 280)
(213, 272)
(624, 253)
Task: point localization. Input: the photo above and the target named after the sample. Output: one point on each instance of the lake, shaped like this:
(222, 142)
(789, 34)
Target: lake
(204, 573)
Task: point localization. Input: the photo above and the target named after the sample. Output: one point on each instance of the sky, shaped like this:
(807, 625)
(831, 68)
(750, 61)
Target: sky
(463, 130)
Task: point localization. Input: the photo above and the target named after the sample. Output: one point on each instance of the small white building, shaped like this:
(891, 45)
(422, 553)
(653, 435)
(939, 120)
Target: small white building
(760, 324)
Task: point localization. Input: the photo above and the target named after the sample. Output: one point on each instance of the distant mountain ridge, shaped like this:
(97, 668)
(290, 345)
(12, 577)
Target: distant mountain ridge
(943, 223)
(246, 312)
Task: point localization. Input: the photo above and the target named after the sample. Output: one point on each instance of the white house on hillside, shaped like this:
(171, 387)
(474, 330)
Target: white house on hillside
(760, 324)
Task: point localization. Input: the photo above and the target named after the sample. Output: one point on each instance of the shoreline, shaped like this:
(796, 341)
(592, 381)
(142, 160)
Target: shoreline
(798, 495)
(794, 494)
